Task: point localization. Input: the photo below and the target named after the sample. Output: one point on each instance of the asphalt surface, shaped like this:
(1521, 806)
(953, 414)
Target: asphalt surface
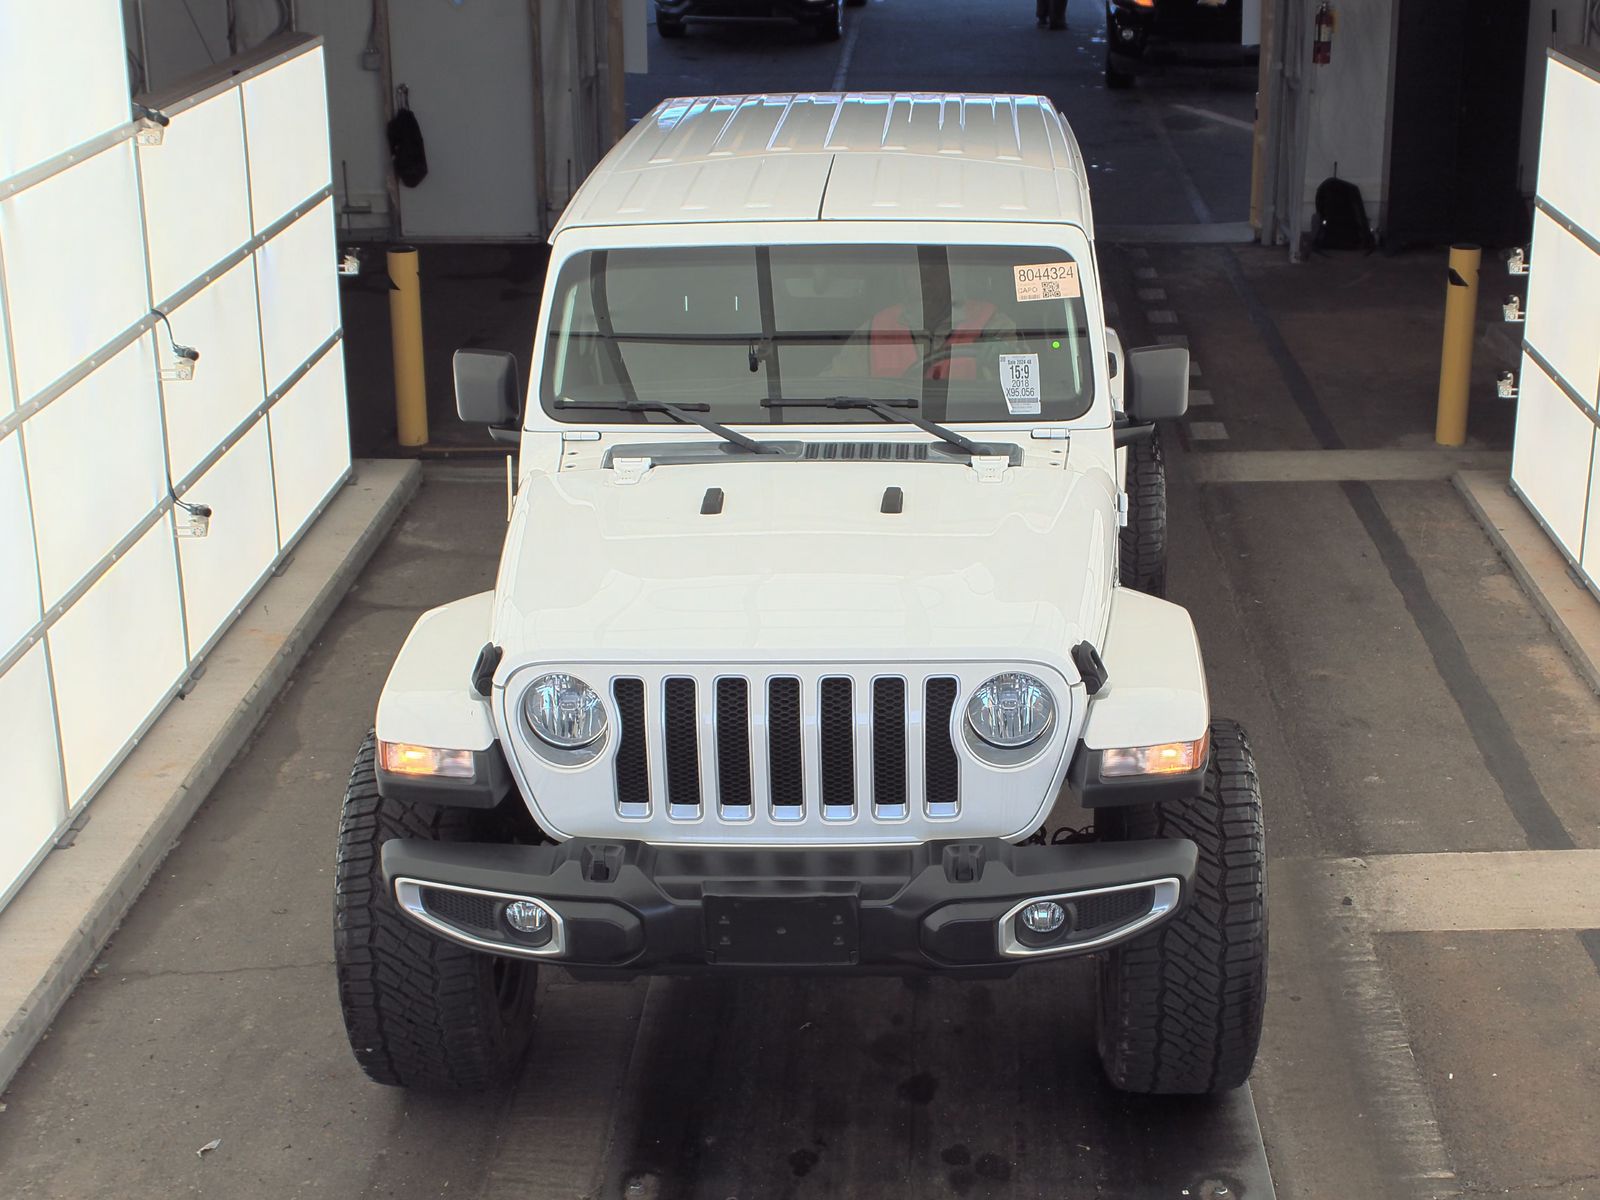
(1403, 697)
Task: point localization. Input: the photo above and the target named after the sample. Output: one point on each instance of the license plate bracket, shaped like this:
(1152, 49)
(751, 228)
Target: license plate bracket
(816, 930)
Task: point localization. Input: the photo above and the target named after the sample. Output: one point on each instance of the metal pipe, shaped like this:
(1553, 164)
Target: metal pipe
(1455, 360)
(405, 335)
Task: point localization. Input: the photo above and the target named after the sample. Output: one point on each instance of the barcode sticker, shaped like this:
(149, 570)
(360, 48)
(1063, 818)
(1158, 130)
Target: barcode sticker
(1019, 380)
(1048, 281)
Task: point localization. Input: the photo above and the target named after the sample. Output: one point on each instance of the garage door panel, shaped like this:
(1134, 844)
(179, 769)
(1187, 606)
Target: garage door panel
(116, 654)
(310, 441)
(1563, 298)
(95, 466)
(1550, 459)
(221, 569)
(286, 120)
(19, 594)
(64, 108)
(74, 249)
(299, 292)
(32, 806)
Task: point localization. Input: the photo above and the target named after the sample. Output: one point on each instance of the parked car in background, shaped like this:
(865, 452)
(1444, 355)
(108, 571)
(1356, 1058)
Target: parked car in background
(826, 17)
(1140, 33)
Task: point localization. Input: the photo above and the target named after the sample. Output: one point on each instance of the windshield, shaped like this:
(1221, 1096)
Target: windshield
(972, 333)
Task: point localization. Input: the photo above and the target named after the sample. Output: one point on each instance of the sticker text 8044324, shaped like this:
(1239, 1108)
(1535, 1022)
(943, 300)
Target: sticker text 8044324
(1047, 281)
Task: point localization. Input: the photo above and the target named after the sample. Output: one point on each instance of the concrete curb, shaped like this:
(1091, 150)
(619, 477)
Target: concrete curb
(1573, 614)
(54, 928)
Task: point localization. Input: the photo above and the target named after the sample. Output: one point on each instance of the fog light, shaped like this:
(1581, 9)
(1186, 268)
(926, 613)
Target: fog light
(1044, 916)
(1126, 34)
(526, 917)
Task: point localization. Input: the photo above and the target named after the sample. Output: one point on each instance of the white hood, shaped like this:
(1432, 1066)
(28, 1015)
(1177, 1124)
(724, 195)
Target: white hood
(802, 564)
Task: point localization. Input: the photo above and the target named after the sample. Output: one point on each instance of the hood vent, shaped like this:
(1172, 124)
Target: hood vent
(868, 451)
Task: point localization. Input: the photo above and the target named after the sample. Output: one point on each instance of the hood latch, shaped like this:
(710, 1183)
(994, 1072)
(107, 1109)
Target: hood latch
(629, 470)
(990, 468)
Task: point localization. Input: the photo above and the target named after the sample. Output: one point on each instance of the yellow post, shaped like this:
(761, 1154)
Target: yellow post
(405, 333)
(1455, 362)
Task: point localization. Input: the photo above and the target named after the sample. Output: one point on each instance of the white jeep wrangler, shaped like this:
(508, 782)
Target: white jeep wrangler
(827, 581)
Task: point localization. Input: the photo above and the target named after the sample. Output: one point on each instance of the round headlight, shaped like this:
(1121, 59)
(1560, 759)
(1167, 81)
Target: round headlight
(1011, 710)
(564, 711)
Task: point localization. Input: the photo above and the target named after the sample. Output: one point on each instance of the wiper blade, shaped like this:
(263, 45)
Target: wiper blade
(889, 410)
(686, 413)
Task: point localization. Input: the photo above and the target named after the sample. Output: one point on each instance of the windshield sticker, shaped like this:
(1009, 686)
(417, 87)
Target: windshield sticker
(1019, 379)
(1047, 281)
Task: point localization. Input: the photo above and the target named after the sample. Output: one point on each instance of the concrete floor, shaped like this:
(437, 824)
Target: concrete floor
(1403, 697)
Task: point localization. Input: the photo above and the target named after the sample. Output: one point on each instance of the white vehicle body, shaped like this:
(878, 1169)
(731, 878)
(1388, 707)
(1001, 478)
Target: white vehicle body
(1007, 563)
(832, 568)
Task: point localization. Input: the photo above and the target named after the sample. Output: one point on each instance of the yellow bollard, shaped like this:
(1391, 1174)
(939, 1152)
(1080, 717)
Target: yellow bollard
(1455, 362)
(405, 334)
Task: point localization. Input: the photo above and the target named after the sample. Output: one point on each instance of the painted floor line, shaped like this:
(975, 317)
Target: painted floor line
(1337, 466)
(1493, 890)
(1208, 431)
(1219, 118)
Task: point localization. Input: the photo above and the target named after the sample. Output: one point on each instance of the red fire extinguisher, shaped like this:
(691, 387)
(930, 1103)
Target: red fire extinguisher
(1322, 36)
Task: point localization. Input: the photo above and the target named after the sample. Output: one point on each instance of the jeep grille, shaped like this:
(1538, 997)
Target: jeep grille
(765, 758)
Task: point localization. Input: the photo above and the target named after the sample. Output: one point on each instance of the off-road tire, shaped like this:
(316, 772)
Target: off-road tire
(1142, 557)
(670, 27)
(1180, 1008)
(829, 26)
(1117, 78)
(420, 1012)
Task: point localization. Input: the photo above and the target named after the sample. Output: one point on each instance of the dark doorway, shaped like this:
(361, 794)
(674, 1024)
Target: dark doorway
(1453, 143)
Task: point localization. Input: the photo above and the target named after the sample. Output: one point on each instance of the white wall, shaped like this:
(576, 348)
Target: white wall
(1348, 103)
(105, 610)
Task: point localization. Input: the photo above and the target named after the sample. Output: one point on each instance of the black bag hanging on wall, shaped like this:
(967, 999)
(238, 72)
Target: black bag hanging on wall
(405, 143)
(1341, 217)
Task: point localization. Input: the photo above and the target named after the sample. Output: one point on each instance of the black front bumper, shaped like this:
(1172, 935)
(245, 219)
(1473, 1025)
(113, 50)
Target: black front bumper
(632, 907)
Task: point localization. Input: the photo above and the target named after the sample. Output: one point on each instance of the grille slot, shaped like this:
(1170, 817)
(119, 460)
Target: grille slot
(942, 787)
(680, 725)
(836, 751)
(733, 748)
(462, 909)
(868, 451)
(785, 749)
(633, 761)
(1111, 908)
(889, 747)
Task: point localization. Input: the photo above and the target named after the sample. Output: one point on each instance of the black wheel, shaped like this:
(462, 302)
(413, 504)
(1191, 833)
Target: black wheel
(1180, 1008)
(1142, 553)
(830, 24)
(1117, 76)
(669, 27)
(419, 1011)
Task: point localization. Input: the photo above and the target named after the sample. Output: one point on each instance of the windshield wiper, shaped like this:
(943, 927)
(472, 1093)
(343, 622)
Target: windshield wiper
(889, 411)
(685, 413)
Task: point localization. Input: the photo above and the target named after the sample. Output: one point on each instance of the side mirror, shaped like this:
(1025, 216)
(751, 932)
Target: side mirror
(1158, 382)
(487, 389)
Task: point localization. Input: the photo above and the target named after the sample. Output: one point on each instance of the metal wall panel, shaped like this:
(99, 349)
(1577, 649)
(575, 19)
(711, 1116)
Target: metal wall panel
(116, 654)
(1569, 168)
(74, 261)
(310, 442)
(104, 610)
(19, 572)
(196, 193)
(221, 569)
(1553, 465)
(94, 466)
(1563, 292)
(223, 323)
(286, 122)
(63, 77)
(32, 806)
(299, 292)
(1550, 456)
